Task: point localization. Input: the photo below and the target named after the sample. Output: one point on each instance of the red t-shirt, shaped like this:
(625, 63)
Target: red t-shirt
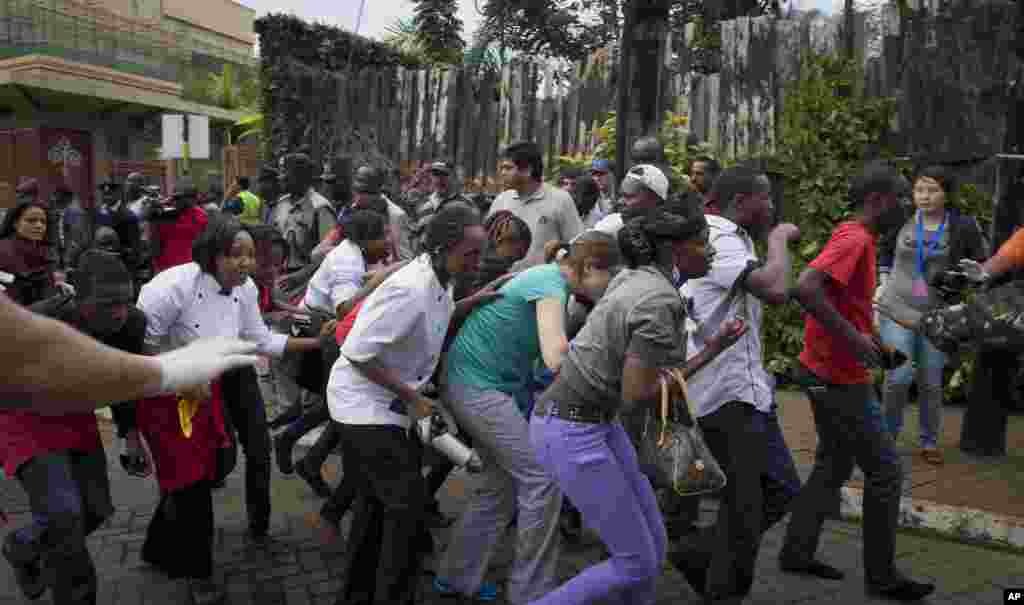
(849, 260)
(176, 238)
(345, 325)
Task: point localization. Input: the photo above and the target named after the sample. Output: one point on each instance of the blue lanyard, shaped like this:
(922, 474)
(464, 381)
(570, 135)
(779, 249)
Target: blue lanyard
(932, 245)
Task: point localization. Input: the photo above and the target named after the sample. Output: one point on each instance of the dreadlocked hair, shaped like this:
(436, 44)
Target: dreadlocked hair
(503, 224)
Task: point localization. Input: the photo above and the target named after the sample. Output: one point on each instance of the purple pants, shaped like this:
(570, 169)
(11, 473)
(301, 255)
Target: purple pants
(596, 467)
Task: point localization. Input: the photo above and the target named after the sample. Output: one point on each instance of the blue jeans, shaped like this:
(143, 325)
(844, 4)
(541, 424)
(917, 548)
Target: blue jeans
(596, 467)
(929, 363)
(69, 494)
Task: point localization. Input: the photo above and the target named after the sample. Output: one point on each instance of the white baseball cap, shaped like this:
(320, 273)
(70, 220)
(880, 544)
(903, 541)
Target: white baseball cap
(649, 176)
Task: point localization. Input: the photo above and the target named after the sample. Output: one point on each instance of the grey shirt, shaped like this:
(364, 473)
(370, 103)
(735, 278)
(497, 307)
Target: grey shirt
(640, 314)
(898, 296)
(549, 212)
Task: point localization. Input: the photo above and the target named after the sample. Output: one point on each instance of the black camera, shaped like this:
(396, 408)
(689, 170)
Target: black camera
(892, 357)
(951, 284)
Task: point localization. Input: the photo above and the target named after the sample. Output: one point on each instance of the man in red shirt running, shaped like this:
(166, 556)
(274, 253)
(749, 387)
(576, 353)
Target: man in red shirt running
(839, 349)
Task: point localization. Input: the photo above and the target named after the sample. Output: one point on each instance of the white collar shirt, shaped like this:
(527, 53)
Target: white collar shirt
(738, 373)
(183, 304)
(337, 279)
(401, 326)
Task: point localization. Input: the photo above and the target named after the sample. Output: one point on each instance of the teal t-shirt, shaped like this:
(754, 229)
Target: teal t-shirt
(498, 343)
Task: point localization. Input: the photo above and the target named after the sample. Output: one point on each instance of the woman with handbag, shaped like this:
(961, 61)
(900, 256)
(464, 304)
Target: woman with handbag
(635, 332)
(188, 434)
(487, 388)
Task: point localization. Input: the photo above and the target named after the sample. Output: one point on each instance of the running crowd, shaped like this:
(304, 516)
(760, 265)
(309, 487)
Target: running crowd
(538, 327)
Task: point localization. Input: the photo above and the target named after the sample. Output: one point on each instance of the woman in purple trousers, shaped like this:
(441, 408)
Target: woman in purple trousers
(634, 333)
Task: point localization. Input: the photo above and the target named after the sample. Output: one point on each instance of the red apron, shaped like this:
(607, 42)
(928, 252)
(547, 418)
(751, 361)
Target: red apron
(181, 461)
(25, 435)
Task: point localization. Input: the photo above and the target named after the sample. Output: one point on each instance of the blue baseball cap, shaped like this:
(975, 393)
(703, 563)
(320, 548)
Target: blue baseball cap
(600, 166)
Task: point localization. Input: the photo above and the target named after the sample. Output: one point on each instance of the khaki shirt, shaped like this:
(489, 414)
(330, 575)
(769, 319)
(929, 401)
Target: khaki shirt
(303, 224)
(549, 212)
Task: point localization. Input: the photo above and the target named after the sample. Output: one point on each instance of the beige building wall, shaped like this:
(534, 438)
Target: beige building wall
(229, 19)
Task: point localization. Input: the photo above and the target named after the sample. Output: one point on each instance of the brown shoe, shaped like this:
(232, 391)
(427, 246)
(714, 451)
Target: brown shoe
(932, 455)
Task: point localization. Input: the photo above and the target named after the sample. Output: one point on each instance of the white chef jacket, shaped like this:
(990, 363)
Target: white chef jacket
(183, 304)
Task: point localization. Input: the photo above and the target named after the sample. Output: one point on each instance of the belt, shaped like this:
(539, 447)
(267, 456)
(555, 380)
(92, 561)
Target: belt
(575, 413)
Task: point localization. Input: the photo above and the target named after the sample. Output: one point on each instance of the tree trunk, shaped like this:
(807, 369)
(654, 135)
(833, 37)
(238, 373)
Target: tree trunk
(642, 76)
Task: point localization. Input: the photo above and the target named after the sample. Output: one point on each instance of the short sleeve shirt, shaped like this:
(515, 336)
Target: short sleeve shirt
(402, 326)
(549, 212)
(737, 373)
(849, 260)
(303, 223)
(498, 343)
(640, 314)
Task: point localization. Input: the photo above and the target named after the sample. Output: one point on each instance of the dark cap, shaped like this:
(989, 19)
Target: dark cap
(367, 180)
(102, 278)
(441, 168)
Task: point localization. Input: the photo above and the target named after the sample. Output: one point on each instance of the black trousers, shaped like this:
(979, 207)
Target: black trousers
(761, 483)
(385, 544)
(851, 431)
(987, 415)
(248, 418)
(179, 539)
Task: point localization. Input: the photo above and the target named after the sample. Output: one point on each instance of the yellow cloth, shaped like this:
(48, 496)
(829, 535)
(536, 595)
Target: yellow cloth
(186, 412)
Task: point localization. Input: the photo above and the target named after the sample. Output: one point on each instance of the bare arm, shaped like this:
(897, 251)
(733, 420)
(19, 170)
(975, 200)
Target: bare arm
(810, 293)
(551, 329)
(52, 368)
(301, 345)
(770, 283)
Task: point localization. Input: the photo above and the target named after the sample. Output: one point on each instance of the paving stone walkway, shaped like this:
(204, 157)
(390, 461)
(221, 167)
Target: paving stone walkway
(296, 570)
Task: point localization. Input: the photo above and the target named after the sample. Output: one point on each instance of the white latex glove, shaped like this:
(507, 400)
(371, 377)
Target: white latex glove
(5, 278)
(974, 270)
(203, 361)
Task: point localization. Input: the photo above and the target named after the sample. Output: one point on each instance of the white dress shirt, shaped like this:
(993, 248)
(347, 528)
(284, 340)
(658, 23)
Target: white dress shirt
(337, 279)
(738, 373)
(183, 304)
(402, 326)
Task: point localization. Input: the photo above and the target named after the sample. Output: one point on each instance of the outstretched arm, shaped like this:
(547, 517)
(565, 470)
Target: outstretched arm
(52, 368)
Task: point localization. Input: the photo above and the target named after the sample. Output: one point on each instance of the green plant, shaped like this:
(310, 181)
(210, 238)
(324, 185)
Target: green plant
(823, 139)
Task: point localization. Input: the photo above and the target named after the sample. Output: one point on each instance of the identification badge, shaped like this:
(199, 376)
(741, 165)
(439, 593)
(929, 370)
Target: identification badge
(919, 288)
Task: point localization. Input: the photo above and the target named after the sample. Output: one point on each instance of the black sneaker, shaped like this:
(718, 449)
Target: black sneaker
(313, 479)
(29, 575)
(902, 589)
